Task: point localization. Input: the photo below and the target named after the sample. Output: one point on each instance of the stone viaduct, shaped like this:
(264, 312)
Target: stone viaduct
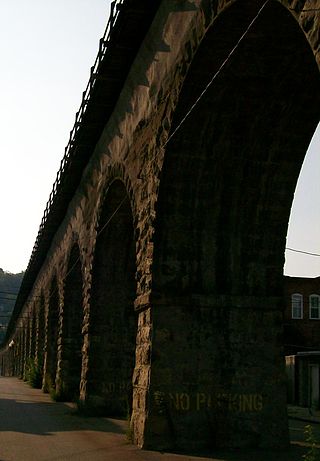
(154, 288)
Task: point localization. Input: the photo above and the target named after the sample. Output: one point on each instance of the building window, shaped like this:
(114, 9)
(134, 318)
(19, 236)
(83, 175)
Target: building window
(314, 311)
(297, 306)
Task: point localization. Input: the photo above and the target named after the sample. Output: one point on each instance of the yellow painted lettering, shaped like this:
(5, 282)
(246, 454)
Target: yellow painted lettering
(174, 401)
(247, 402)
(257, 402)
(201, 400)
(184, 401)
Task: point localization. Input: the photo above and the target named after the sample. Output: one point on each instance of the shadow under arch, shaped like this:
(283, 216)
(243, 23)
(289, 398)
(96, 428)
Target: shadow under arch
(113, 322)
(33, 333)
(37, 345)
(68, 385)
(30, 342)
(40, 333)
(51, 339)
(23, 349)
(225, 195)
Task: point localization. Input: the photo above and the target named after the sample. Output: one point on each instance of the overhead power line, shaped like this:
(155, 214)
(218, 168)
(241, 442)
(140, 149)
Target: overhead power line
(178, 127)
(217, 73)
(303, 252)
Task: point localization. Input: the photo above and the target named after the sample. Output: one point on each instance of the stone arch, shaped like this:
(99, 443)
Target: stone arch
(40, 332)
(112, 328)
(72, 339)
(117, 172)
(26, 325)
(226, 190)
(52, 334)
(22, 353)
(16, 355)
(33, 335)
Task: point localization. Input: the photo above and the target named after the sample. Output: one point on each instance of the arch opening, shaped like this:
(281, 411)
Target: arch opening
(113, 322)
(29, 366)
(52, 330)
(24, 348)
(225, 195)
(72, 339)
(40, 336)
(26, 345)
(303, 223)
(302, 270)
(33, 333)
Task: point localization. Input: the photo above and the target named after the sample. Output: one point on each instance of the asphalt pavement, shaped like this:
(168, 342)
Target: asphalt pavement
(34, 428)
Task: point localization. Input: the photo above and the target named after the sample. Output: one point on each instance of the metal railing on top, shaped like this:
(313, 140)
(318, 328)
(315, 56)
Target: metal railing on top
(69, 152)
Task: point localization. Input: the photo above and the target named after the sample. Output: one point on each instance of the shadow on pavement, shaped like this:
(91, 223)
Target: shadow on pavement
(294, 453)
(29, 411)
(45, 418)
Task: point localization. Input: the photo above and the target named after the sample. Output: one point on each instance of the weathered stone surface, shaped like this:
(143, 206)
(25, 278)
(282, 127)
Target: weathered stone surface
(180, 222)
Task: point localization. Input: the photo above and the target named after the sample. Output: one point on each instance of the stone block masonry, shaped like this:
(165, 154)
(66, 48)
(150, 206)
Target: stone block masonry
(160, 294)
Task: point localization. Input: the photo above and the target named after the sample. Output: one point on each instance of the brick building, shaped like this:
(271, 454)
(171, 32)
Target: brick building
(302, 340)
(302, 314)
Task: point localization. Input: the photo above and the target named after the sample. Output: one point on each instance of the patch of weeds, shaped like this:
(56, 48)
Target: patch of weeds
(63, 393)
(48, 386)
(313, 453)
(33, 374)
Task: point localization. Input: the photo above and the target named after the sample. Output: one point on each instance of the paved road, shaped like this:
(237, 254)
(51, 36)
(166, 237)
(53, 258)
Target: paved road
(33, 428)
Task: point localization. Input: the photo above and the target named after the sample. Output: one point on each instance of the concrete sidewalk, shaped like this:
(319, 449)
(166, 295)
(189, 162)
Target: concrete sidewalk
(33, 428)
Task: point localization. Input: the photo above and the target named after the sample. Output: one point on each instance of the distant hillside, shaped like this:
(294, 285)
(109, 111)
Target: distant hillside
(9, 287)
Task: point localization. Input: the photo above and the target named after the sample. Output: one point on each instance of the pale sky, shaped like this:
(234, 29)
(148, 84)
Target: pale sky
(304, 223)
(47, 48)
